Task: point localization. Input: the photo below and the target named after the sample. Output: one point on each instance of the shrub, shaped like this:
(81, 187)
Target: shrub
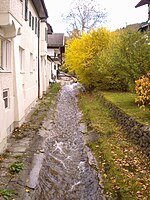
(143, 91)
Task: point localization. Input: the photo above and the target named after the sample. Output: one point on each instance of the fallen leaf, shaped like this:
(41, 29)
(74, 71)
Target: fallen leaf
(27, 190)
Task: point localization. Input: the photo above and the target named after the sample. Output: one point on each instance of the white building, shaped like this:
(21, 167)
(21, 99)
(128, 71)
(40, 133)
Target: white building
(24, 73)
(55, 50)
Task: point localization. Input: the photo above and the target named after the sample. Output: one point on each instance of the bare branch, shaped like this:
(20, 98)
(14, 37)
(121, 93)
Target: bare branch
(85, 15)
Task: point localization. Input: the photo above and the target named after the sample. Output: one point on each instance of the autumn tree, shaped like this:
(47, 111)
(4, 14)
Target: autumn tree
(84, 15)
(82, 55)
(143, 91)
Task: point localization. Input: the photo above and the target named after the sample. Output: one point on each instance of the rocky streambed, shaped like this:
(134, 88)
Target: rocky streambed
(65, 163)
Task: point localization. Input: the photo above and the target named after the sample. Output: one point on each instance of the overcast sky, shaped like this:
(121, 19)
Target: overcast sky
(119, 13)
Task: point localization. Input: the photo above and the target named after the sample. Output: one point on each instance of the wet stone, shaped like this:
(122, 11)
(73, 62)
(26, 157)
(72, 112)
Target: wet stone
(19, 149)
(4, 181)
(83, 128)
(34, 174)
(66, 173)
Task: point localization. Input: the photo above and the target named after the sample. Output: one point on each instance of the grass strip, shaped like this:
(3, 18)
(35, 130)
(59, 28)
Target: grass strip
(126, 102)
(125, 170)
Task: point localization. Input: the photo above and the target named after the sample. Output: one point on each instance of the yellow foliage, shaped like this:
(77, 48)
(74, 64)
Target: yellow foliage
(143, 91)
(81, 54)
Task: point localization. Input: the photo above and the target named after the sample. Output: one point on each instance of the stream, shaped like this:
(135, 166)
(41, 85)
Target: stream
(66, 173)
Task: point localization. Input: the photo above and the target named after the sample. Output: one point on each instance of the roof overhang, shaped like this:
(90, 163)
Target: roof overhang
(143, 2)
(57, 62)
(50, 58)
(40, 8)
(54, 60)
(50, 29)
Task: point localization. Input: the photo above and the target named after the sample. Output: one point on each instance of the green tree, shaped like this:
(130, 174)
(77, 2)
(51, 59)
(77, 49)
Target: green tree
(130, 58)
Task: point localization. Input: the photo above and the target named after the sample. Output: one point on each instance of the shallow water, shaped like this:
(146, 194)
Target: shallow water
(66, 173)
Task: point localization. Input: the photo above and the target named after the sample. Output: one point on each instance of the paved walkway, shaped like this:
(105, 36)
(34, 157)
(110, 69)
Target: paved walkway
(24, 144)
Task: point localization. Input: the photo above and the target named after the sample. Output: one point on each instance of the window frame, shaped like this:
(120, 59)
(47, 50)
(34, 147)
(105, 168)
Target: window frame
(6, 98)
(5, 55)
(36, 25)
(21, 59)
(32, 23)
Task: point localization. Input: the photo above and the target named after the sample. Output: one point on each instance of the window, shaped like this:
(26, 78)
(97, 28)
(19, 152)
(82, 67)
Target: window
(32, 23)
(5, 54)
(31, 62)
(6, 97)
(21, 58)
(26, 10)
(35, 25)
(30, 18)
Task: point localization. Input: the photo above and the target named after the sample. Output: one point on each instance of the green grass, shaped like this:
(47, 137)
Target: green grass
(6, 194)
(124, 167)
(126, 102)
(16, 167)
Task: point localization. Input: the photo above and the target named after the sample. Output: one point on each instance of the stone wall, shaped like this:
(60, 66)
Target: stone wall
(138, 132)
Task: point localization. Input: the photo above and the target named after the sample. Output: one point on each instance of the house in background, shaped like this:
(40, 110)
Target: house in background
(24, 73)
(56, 48)
(145, 25)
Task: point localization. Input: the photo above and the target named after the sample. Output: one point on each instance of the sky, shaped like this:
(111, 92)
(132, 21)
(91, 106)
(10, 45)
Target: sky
(119, 13)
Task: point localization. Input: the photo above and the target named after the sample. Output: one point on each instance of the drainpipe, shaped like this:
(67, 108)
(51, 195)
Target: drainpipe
(149, 17)
(39, 58)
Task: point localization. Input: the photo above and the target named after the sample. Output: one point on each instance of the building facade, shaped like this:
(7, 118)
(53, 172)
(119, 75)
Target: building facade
(24, 73)
(55, 50)
(146, 25)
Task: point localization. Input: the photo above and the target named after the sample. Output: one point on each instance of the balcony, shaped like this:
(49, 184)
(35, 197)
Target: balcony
(9, 24)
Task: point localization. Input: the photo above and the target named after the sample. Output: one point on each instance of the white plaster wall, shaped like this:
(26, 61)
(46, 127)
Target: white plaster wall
(5, 5)
(49, 70)
(9, 10)
(6, 82)
(23, 85)
(29, 78)
(48, 73)
(6, 114)
(50, 52)
(16, 10)
(43, 27)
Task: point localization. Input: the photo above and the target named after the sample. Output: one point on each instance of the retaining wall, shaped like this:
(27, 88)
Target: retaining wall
(138, 132)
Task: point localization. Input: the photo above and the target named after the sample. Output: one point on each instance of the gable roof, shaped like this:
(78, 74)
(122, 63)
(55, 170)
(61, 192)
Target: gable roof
(40, 8)
(56, 40)
(142, 2)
